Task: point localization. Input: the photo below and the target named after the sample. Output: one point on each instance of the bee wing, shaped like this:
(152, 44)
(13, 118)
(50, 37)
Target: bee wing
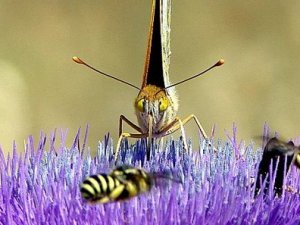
(289, 150)
(278, 148)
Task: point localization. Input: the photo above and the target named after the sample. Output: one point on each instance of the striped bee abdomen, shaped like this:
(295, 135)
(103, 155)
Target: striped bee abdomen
(122, 183)
(99, 188)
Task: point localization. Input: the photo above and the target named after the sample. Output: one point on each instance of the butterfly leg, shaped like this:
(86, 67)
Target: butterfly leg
(123, 118)
(149, 138)
(164, 131)
(192, 116)
(185, 146)
(137, 128)
(126, 135)
(177, 126)
(161, 143)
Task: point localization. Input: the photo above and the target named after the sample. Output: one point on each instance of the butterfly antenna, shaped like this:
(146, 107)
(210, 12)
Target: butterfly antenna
(219, 63)
(79, 61)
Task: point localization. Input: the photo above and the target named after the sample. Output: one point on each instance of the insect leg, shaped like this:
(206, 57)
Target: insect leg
(172, 127)
(126, 135)
(185, 146)
(177, 125)
(192, 116)
(167, 129)
(149, 139)
(123, 118)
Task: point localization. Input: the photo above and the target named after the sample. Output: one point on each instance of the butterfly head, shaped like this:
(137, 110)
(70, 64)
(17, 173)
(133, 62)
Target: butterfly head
(152, 101)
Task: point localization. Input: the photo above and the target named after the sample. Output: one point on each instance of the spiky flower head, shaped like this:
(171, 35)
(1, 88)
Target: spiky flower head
(41, 186)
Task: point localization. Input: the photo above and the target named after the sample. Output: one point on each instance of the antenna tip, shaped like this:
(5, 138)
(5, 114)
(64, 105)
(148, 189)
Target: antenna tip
(77, 60)
(220, 62)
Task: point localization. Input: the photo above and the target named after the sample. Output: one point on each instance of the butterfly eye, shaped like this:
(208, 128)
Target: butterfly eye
(140, 105)
(163, 104)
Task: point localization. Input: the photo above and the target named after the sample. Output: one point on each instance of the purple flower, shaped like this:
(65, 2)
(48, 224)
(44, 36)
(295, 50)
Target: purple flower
(41, 186)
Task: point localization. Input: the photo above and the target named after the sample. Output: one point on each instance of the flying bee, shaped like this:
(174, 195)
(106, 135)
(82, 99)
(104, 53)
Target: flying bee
(277, 154)
(122, 183)
(156, 105)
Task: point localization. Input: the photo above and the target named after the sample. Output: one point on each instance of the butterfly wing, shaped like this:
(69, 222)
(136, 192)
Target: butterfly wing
(156, 71)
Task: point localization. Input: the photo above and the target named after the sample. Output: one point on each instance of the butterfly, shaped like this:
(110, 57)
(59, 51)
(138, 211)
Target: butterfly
(156, 104)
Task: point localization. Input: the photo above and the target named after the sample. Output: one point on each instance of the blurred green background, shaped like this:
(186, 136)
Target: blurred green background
(42, 89)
